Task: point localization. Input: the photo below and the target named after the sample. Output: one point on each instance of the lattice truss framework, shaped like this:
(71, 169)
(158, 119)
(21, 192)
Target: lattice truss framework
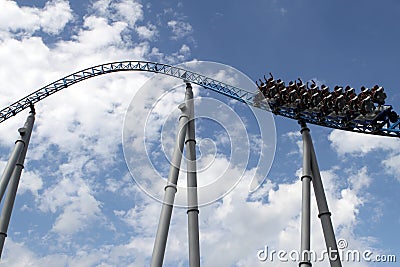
(381, 121)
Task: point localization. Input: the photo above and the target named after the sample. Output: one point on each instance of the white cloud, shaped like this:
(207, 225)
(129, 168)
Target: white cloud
(179, 28)
(30, 181)
(185, 49)
(295, 137)
(98, 29)
(234, 224)
(242, 227)
(55, 16)
(18, 255)
(392, 164)
(76, 201)
(345, 197)
(77, 135)
(148, 32)
(345, 142)
(175, 58)
(360, 180)
(132, 253)
(131, 11)
(143, 218)
(50, 19)
(356, 144)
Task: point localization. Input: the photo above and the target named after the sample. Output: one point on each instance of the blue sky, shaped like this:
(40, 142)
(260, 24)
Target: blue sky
(78, 204)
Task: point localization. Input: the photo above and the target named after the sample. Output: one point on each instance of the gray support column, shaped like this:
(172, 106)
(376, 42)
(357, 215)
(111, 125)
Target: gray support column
(193, 210)
(25, 134)
(324, 213)
(5, 178)
(170, 190)
(305, 209)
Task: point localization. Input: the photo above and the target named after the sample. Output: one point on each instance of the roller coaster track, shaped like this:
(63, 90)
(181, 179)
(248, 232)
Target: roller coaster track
(378, 125)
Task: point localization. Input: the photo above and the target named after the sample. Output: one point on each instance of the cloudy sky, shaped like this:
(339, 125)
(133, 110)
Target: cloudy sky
(79, 204)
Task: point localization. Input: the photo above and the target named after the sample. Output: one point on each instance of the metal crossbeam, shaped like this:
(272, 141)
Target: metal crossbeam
(384, 127)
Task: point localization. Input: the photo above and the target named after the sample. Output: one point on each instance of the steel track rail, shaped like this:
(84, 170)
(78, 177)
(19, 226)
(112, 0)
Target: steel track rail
(250, 98)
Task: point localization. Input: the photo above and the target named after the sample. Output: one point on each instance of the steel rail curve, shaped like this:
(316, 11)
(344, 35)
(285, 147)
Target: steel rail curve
(385, 127)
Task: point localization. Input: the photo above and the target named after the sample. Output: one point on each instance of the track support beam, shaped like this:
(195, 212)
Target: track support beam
(185, 130)
(306, 196)
(15, 166)
(193, 210)
(324, 213)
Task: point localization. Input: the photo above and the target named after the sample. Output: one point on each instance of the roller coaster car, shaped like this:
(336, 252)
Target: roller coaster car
(341, 109)
(339, 113)
(311, 106)
(292, 103)
(314, 114)
(378, 118)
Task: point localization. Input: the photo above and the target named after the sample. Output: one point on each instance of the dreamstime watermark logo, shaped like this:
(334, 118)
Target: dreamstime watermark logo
(234, 141)
(345, 255)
